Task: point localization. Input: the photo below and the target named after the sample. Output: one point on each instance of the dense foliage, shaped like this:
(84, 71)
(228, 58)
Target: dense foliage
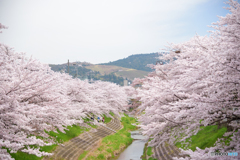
(112, 78)
(73, 70)
(199, 86)
(83, 73)
(136, 61)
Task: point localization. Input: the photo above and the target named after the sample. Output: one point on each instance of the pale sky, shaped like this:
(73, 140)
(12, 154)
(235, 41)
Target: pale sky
(99, 31)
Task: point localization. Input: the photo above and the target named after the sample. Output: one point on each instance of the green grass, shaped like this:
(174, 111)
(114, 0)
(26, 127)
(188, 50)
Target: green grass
(92, 125)
(206, 137)
(149, 151)
(106, 119)
(111, 113)
(125, 72)
(25, 156)
(73, 131)
(115, 141)
(86, 119)
(143, 157)
(100, 156)
(60, 137)
(151, 158)
(48, 148)
(82, 155)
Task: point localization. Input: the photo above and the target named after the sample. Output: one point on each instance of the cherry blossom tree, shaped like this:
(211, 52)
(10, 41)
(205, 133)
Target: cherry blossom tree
(97, 98)
(199, 86)
(33, 99)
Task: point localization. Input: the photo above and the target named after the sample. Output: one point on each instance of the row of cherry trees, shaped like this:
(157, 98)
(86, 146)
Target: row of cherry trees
(33, 98)
(199, 86)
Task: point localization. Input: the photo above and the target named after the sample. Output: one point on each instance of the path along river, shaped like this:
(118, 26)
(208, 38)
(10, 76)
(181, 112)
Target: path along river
(135, 150)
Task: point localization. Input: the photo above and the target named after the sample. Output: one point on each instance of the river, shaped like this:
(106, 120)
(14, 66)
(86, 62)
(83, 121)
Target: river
(135, 150)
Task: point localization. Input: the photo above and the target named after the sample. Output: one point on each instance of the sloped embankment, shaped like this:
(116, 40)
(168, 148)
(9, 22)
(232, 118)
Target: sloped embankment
(112, 145)
(84, 142)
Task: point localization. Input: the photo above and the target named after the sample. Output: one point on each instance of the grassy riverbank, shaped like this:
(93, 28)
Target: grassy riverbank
(73, 131)
(205, 138)
(112, 145)
(59, 137)
(147, 152)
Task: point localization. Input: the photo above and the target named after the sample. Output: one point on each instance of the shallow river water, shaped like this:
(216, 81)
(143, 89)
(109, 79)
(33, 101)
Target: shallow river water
(135, 150)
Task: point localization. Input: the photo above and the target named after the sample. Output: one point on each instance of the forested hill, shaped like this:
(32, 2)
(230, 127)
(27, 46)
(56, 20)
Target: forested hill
(136, 61)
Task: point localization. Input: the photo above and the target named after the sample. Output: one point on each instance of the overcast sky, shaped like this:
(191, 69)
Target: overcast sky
(99, 31)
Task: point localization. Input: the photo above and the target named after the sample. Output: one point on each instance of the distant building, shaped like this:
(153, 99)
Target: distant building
(125, 82)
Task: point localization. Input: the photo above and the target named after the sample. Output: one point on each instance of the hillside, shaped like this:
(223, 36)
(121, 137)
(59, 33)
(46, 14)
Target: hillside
(136, 61)
(134, 66)
(84, 70)
(73, 69)
(118, 71)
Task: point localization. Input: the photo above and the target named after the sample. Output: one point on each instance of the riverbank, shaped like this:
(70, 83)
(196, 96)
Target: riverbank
(75, 135)
(135, 150)
(205, 138)
(113, 144)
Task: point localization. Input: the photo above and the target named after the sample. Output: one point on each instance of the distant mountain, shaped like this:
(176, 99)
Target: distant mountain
(128, 68)
(84, 70)
(136, 61)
